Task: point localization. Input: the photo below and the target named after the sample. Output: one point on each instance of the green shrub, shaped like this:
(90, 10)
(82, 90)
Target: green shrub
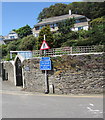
(27, 43)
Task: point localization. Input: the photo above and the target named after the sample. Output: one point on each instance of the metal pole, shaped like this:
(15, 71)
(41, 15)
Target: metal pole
(46, 83)
(44, 50)
(44, 37)
(46, 80)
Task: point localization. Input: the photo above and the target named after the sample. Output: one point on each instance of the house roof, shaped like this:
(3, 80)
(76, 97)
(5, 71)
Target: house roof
(58, 18)
(12, 32)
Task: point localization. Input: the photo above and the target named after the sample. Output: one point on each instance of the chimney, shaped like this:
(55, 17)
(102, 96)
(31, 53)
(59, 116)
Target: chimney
(69, 12)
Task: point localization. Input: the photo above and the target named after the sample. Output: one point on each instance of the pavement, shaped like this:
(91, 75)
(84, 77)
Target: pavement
(17, 103)
(9, 86)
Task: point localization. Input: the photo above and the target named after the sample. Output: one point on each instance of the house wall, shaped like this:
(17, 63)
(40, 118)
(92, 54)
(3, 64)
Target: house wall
(36, 32)
(76, 28)
(54, 29)
(12, 36)
(85, 27)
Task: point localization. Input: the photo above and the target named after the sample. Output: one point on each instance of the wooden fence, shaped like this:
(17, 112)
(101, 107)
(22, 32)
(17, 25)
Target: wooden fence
(68, 50)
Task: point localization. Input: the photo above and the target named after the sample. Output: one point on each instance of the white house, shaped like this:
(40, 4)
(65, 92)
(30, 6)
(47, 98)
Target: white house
(81, 22)
(12, 35)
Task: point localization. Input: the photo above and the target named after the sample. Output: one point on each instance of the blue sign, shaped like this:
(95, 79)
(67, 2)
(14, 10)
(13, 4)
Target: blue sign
(45, 65)
(45, 58)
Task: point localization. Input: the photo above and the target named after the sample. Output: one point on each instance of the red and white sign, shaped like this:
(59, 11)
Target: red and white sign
(44, 46)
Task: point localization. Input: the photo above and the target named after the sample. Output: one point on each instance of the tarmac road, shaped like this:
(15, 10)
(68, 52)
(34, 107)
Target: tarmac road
(20, 104)
(42, 106)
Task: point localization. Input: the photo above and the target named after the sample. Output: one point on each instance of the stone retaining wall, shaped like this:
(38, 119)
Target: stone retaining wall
(76, 74)
(34, 78)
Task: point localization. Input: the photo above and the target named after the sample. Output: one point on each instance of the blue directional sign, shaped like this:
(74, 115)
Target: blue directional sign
(45, 58)
(45, 64)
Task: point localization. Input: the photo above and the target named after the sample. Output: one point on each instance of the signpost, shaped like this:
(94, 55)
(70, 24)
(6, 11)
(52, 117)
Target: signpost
(45, 64)
(44, 45)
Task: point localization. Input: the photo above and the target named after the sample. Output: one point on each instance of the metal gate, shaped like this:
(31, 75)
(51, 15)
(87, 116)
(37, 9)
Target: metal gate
(19, 80)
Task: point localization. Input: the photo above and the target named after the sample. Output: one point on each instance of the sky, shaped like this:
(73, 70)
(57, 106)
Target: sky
(18, 14)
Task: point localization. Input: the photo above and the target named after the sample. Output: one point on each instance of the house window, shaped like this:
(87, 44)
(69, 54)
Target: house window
(40, 27)
(51, 26)
(80, 28)
(55, 25)
(12, 33)
(12, 37)
(83, 20)
(37, 28)
(36, 35)
(77, 21)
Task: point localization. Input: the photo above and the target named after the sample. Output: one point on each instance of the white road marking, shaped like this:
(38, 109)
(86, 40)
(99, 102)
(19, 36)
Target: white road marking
(94, 111)
(91, 104)
(101, 112)
(89, 108)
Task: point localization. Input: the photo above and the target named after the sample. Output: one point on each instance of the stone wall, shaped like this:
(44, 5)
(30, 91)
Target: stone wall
(8, 66)
(34, 78)
(79, 74)
(73, 74)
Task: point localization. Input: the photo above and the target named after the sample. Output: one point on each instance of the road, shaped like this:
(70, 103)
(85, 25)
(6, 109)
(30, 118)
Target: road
(20, 104)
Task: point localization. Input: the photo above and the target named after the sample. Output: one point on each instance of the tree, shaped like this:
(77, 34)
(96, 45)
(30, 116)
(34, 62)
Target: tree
(91, 10)
(65, 26)
(49, 37)
(3, 49)
(54, 10)
(70, 38)
(57, 37)
(98, 28)
(24, 31)
(28, 43)
(13, 45)
(97, 21)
